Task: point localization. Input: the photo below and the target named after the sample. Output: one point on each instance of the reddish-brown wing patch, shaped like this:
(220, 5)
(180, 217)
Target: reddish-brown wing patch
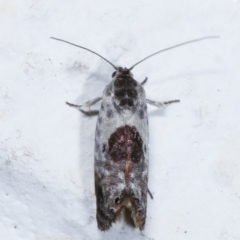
(126, 145)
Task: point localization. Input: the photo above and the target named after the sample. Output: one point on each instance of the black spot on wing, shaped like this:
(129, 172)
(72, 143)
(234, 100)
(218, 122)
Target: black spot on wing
(100, 119)
(96, 146)
(141, 113)
(109, 113)
(145, 148)
(98, 131)
(104, 147)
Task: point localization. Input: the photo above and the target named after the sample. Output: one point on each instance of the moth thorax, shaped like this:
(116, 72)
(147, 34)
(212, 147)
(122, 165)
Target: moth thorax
(125, 91)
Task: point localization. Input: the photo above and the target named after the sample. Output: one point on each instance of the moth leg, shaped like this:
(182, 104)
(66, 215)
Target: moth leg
(160, 104)
(87, 104)
(144, 81)
(150, 194)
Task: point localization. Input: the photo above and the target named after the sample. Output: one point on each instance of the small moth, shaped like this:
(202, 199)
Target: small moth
(121, 151)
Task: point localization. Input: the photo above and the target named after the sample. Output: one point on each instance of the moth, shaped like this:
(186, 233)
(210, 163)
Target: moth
(121, 151)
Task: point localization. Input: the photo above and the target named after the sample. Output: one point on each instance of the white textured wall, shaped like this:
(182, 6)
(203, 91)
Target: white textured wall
(46, 148)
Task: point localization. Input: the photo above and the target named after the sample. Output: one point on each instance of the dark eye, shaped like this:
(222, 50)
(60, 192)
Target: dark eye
(117, 200)
(113, 75)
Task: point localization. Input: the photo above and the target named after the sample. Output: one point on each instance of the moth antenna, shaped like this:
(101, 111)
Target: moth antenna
(85, 49)
(175, 46)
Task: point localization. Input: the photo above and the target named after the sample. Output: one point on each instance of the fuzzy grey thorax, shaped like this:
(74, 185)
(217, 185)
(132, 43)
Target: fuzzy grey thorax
(125, 89)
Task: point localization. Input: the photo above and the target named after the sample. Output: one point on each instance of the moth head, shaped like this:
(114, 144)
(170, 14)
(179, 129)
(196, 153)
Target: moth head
(125, 89)
(122, 72)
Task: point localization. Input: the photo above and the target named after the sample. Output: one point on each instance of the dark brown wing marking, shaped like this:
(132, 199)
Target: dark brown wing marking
(126, 145)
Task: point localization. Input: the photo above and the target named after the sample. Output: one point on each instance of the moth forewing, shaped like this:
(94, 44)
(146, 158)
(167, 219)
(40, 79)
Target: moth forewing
(121, 152)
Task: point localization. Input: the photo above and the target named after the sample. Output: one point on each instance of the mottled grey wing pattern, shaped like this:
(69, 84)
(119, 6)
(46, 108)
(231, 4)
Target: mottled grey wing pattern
(121, 153)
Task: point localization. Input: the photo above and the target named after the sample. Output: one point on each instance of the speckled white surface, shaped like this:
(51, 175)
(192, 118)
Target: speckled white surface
(46, 148)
